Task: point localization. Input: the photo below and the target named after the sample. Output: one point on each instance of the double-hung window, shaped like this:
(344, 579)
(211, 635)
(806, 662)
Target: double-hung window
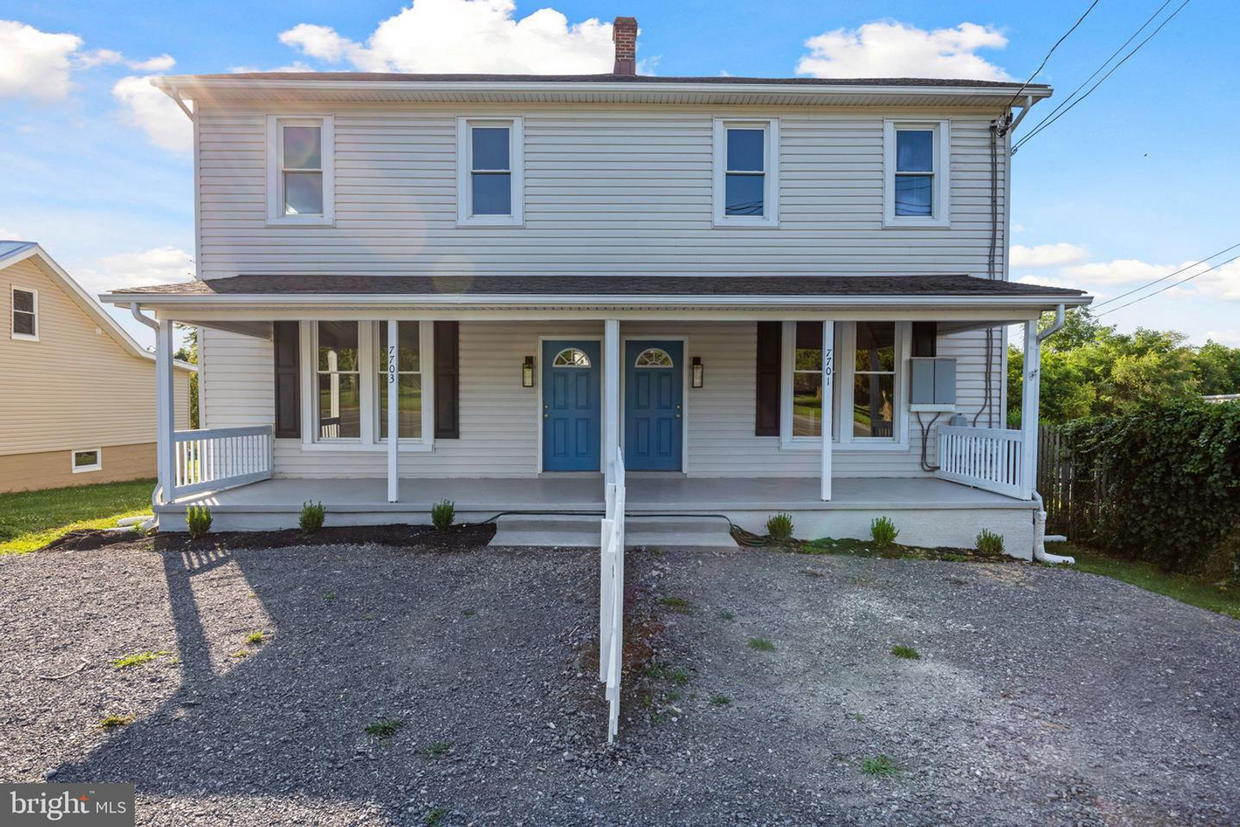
(25, 321)
(300, 180)
(746, 180)
(491, 177)
(917, 163)
(338, 381)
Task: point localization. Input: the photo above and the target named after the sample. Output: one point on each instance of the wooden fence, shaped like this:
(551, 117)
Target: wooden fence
(1071, 491)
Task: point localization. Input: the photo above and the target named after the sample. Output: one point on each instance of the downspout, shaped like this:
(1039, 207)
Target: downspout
(153, 325)
(1039, 520)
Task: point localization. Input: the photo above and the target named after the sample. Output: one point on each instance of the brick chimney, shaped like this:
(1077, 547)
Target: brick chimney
(624, 35)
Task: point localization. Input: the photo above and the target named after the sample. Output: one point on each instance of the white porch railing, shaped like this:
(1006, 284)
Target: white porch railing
(986, 458)
(220, 458)
(611, 596)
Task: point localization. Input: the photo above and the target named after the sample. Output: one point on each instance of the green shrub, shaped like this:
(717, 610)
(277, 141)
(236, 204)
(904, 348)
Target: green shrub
(883, 532)
(1166, 483)
(311, 519)
(779, 527)
(442, 514)
(198, 520)
(989, 543)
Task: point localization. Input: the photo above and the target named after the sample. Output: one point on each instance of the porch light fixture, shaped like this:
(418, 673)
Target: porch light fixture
(527, 372)
(698, 371)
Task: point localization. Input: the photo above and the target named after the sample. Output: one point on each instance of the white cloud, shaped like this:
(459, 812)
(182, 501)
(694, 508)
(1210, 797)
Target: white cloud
(159, 265)
(465, 36)
(1048, 255)
(8, 234)
(1223, 337)
(1048, 281)
(295, 66)
(888, 48)
(34, 63)
(154, 64)
(1119, 271)
(155, 113)
(97, 57)
(1223, 283)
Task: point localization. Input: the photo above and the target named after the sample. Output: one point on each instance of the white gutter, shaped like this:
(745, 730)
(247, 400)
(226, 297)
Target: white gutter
(1039, 521)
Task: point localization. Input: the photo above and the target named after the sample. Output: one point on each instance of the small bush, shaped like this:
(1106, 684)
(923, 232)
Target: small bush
(442, 514)
(198, 521)
(311, 519)
(883, 532)
(779, 527)
(989, 543)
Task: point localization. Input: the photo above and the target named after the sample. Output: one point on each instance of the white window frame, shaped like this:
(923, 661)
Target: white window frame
(941, 191)
(770, 193)
(13, 311)
(81, 469)
(845, 360)
(464, 171)
(275, 171)
(370, 368)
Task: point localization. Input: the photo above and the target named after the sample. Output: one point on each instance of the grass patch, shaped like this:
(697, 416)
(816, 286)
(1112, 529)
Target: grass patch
(385, 728)
(677, 676)
(1214, 597)
(31, 519)
(678, 605)
(117, 721)
(761, 644)
(240, 653)
(437, 749)
(435, 817)
(256, 638)
(137, 659)
(468, 612)
(880, 766)
(329, 596)
(720, 700)
(906, 652)
(724, 614)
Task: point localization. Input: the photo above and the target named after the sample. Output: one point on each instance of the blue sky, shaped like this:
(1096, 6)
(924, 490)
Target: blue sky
(1130, 185)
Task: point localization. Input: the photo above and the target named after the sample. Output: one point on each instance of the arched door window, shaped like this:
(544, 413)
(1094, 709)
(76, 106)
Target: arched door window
(571, 357)
(654, 357)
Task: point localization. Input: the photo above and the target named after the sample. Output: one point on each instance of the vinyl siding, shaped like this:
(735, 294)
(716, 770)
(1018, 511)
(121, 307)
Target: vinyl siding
(618, 190)
(77, 387)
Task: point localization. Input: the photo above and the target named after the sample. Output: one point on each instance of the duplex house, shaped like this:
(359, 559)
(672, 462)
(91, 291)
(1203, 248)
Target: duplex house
(756, 295)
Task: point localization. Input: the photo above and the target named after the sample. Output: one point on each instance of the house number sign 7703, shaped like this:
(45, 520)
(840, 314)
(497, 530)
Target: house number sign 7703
(391, 366)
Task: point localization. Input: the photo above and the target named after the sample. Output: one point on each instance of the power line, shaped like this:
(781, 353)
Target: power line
(1051, 118)
(1080, 20)
(1169, 275)
(1169, 286)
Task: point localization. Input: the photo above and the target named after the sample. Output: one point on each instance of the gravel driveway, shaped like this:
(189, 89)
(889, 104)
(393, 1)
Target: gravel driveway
(1040, 697)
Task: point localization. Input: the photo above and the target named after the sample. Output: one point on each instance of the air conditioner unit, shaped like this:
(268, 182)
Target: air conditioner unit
(933, 380)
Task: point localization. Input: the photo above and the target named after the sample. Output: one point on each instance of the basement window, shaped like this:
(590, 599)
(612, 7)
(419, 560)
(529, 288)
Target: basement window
(90, 459)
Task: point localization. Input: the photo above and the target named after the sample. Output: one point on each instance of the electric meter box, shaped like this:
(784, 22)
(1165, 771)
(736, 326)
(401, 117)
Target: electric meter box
(933, 384)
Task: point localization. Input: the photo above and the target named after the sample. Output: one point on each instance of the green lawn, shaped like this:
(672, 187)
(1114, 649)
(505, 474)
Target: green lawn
(1194, 591)
(32, 519)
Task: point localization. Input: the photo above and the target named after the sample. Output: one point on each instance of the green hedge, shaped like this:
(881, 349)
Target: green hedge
(1170, 484)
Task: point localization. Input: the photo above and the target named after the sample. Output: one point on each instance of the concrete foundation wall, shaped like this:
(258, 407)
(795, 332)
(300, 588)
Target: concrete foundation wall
(53, 469)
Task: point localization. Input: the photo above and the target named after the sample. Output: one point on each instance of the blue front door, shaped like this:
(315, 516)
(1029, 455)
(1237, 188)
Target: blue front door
(653, 404)
(572, 420)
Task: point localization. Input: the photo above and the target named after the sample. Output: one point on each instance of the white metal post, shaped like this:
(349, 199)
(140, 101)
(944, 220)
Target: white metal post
(611, 398)
(393, 411)
(165, 409)
(1030, 394)
(828, 374)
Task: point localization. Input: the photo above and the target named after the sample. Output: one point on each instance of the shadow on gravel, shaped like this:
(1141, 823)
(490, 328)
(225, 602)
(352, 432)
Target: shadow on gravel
(477, 656)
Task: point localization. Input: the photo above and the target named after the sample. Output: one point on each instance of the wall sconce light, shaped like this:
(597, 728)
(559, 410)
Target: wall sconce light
(698, 371)
(527, 372)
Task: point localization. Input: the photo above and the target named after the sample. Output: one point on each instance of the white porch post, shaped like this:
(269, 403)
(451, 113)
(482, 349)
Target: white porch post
(165, 409)
(611, 397)
(393, 411)
(828, 374)
(1029, 411)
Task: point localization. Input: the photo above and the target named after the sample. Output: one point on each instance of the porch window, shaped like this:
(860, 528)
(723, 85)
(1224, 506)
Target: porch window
(917, 162)
(490, 180)
(300, 179)
(874, 380)
(807, 381)
(746, 173)
(408, 381)
(25, 315)
(339, 381)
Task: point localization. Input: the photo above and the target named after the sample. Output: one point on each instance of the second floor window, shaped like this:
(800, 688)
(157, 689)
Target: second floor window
(746, 173)
(917, 161)
(299, 176)
(489, 188)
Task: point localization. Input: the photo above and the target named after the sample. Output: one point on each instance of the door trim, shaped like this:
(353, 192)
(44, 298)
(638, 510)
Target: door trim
(538, 372)
(684, 379)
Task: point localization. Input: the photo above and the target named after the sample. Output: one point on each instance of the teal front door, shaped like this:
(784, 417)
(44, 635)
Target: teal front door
(572, 411)
(653, 404)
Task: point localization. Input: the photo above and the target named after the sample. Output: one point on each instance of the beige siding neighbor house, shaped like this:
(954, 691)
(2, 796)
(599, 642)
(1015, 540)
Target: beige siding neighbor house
(76, 391)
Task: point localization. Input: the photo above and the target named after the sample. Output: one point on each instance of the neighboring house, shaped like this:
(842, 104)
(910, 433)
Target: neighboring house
(703, 275)
(76, 390)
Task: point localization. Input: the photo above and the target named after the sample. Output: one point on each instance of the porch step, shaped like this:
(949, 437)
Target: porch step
(579, 531)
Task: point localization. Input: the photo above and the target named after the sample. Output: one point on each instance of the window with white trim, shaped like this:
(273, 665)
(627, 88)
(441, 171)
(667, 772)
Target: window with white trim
(300, 175)
(746, 174)
(25, 315)
(89, 459)
(338, 381)
(917, 166)
(490, 178)
(874, 380)
(409, 381)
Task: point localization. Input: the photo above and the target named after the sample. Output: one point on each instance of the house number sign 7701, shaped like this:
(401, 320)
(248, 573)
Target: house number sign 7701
(828, 367)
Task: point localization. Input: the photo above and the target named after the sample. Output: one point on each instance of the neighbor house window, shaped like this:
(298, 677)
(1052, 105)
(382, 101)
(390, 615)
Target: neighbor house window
(25, 314)
(338, 381)
(917, 164)
(490, 163)
(408, 380)
(87, 460)
(874, 380)
(746, 173)
(300, 175)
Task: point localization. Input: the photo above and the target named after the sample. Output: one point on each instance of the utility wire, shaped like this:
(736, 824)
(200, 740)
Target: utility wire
(1184, 269)
(1050, 119)
(1080, 20)
(1168, 287)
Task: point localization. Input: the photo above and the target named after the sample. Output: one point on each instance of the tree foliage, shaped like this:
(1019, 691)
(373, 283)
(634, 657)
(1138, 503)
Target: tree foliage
(188, 352)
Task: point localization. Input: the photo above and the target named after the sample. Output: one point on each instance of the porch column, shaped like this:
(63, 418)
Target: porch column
(828, 373)
(1030, 393)
(393, 411)
(611, 397)
(165, 409)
